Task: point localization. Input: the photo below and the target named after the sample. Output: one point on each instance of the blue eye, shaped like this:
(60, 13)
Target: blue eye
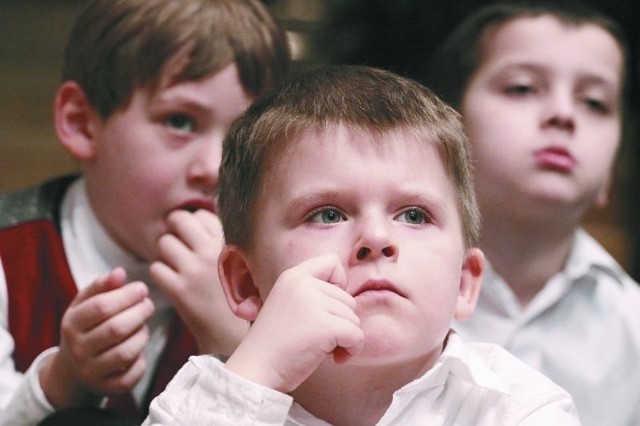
(413, 216)
(181, 123)
(327, 215)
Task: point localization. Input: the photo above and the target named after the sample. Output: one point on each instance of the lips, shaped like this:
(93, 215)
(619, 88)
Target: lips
(375, 286)
(555, 158)
(198, 204)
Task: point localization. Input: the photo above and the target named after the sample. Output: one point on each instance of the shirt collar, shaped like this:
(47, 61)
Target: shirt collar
(588, 255)
(456, 361)
(90, 250)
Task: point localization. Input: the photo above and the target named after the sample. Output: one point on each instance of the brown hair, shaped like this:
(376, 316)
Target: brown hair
(369, 100)
(116, 46)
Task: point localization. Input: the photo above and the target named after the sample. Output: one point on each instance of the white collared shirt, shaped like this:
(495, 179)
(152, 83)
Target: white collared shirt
(476, 385)
(582, 330)
(90, 252)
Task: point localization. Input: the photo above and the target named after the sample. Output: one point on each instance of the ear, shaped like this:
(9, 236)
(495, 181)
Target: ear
(470, 283)
(242, 294)
(75, 121)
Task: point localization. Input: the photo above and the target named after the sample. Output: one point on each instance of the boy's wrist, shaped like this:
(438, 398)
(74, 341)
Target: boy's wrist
(242, 363)
(60, 386)
(220, 342)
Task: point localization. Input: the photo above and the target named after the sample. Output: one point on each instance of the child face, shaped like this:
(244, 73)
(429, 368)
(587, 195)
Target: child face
(543, 115)
(160, 153)
(389, 213)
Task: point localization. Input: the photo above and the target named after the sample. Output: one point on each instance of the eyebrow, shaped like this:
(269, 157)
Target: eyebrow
(298, 202)
(182, 100)
(435, 203)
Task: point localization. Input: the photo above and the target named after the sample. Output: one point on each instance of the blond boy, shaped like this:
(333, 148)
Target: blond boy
(350, 223)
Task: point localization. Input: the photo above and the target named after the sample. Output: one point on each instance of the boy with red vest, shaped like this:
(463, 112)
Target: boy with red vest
(94, 308)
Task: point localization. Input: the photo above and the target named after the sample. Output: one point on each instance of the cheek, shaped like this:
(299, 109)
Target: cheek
(440, 269)
(484, 134)
(311, 243)
(301, 249)
(151, 186)
(603, 143)
(599, 146)
(271, 257)
(497, 144)
(438, 302)
(599, 163)
(491, 127)
(491, 118)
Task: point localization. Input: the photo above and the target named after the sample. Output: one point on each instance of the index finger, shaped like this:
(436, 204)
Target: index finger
(114, 279)
(196, 230)
(327, 268)
(209, 221)
(88, 313)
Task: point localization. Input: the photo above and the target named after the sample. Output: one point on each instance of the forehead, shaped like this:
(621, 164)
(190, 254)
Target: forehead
(336, 149)
(335, 137)
(220, 93)
(546, 41)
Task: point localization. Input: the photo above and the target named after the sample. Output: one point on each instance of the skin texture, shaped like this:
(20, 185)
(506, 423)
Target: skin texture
(543, 114)
(148, 168)
(351, 288)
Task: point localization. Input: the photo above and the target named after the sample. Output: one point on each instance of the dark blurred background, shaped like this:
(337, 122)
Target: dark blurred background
(392, 34)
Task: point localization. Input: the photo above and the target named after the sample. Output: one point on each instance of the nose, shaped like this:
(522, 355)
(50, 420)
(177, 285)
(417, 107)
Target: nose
(559, 112)
(375, 241)
(205, 163)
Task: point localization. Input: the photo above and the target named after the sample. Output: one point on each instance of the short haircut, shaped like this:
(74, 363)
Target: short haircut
(368, 100)
(116, 46)
(458, 57)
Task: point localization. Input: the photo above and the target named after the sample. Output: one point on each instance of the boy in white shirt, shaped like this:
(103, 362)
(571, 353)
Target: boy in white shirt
(350, 221)
(540, 87)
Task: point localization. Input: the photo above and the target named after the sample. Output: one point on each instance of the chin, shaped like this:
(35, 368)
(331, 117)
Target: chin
(381, 349)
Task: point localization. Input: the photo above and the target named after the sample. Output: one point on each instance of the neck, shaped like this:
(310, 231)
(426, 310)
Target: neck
(526, 255)
(354, 395)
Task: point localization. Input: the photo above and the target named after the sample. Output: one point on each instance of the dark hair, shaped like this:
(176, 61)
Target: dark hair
(116, 46)
(369, 100)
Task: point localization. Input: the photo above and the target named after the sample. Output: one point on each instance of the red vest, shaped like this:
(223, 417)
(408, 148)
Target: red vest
(40, 287)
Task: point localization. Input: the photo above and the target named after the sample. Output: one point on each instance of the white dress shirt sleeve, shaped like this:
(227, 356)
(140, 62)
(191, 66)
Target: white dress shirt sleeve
(204, 392)
(28, 406)
(22, 401)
